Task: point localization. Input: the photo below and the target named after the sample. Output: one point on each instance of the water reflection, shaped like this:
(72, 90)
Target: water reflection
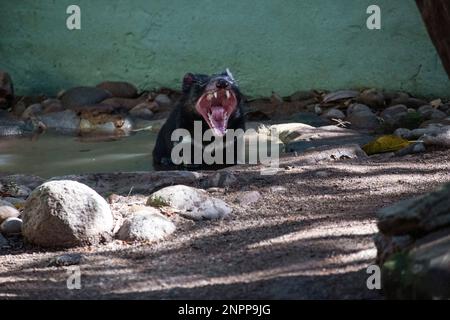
(52, 155)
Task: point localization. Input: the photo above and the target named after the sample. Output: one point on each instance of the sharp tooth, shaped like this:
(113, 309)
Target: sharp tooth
(228, 94)
(215, 94)
(209, 96)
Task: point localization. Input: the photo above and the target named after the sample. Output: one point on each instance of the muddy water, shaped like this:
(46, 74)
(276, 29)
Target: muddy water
(53, 155)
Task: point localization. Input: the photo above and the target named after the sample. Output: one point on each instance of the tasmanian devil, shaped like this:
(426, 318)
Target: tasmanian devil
(214, 101)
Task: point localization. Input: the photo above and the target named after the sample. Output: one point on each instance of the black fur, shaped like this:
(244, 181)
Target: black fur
(184, 115)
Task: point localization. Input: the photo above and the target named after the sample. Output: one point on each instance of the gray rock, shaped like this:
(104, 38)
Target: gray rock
(142, 111)
(299, 139)
(11, 226)
(430, 113)
(418, 215)
(81, 96)
(52, 105)
(387, 246)
(220, 179)
(14, 202)
(193, 203)
(7, 210)
(340, 95)
(29, 181)
(248, 198)
(408, 101)
(65, 121)
(439, 137)
(14, 190)
(163, 100)
(65, 260)
(393, 115)
(146, 225)
(421, 273)
(357, 107)
(119, 89)
(366, 120)
(32, 111)
(331, 154)
(278, 189)
(333, 114)
(414, 148)
(302, 95)
(372, 98)
(66, 214)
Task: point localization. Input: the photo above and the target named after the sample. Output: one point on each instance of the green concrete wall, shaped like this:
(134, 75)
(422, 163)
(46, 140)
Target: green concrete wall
(274, 45)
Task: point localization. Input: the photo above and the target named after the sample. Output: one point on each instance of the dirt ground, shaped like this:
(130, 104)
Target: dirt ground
(308, 237)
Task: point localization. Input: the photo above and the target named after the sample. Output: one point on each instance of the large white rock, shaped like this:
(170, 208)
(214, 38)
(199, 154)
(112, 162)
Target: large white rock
(192, 203)
(146, 225)
(65, 214)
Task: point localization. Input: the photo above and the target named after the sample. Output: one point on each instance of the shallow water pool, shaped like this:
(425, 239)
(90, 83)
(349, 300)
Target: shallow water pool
(52, 155)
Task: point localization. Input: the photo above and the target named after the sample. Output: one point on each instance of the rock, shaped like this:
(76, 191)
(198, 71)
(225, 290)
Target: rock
(302, 95)
(146, 225)
(119, 89)
(15, 202)
(143, 111)
(81, 96)
(439, 137)
(52, 105)
(7, 210)
(403, 133)
(372, 98)
(361, 118)
(66, 214)
(331, 154)
(6, 90)
(247, 198)
(322, 174)
(220, 179)
(394, 114)
(308, 118)
(340, 95)
(65, 121)
(387, 246)
(278, 189)
(29, 181)
(11, 227)
(421, 273)
(417, 133)
(414, 148)
(163, 100)
(32, 111)
(4, 243)
(106, 124)
(193, 203)
(418, 215)
(430, 113)
(11, 189)
(404, 99)
(124, 103)
(357, 107)
(128, 183)
(65, 260)
(333, 114)
(301, 138)
(315, 109)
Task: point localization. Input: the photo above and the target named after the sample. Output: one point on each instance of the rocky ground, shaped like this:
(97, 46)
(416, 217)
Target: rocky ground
(306, 232)
(309, 231)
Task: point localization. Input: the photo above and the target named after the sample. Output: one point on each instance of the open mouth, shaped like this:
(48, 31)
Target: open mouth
(216, 107)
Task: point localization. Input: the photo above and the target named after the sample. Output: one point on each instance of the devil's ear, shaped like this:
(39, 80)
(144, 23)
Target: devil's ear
(228, 73)
(188, 80)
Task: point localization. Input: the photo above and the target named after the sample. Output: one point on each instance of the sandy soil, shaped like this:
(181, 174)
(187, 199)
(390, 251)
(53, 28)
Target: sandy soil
(308, 237)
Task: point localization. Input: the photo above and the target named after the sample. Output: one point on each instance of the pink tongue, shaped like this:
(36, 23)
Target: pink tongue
(218, 120)
(218, 113)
